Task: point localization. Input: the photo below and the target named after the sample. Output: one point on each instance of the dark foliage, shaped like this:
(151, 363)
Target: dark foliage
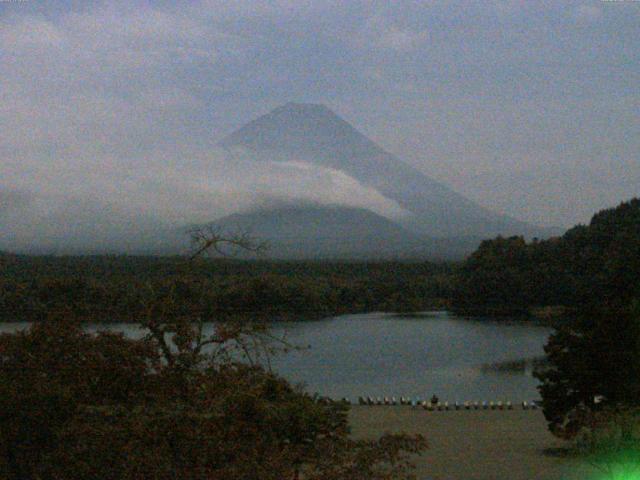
(594, 364)
(599, 262)
(75, 405)
(594, 355)
(594, 273)
(176, 404)
(112, 288)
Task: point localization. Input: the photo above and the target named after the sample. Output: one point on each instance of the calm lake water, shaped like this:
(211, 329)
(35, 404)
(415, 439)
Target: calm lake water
(381, 354)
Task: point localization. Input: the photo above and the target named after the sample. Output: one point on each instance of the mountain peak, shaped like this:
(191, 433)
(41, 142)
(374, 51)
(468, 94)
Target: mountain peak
(302, 129)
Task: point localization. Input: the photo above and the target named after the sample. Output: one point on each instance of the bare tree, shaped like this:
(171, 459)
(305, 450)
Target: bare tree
(180, 334)
(209, 238)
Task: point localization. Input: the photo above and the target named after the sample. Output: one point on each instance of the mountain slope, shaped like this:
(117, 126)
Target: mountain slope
(314, 231)
(314, 134)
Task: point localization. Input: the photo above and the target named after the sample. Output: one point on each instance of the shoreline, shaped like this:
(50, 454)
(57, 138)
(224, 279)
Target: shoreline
(426, 313)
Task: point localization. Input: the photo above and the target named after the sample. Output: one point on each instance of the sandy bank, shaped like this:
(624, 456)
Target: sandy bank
(475, 445)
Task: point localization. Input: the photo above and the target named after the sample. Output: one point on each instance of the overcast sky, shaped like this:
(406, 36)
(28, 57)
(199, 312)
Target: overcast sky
(529, 108)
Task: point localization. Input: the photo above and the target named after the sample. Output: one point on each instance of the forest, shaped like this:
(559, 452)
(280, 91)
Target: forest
(504, 276)
(119, 288)
(595, 262)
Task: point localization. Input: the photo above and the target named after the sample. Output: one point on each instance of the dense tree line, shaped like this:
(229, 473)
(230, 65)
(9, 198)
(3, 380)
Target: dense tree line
(599, 261)
(116, 288)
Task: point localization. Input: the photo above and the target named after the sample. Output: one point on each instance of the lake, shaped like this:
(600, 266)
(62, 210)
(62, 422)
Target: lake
(380, 354)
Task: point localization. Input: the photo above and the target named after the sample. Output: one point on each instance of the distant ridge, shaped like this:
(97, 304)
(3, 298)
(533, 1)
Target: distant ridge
(334, 231)
(314, 134)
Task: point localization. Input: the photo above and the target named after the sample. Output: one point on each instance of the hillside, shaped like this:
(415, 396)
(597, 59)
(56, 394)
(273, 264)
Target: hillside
(599, 262)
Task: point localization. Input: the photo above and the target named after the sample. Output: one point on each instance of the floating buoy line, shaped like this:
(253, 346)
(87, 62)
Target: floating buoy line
(437, 406)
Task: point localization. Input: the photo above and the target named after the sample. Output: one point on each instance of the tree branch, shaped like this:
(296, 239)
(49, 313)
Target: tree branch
(208, 238)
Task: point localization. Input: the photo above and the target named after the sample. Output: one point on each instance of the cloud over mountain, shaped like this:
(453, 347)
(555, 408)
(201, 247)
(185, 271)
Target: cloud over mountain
(522, 107)
(100, 206)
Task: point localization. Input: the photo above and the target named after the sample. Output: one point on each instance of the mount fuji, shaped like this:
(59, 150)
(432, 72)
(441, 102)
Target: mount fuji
(436, 222)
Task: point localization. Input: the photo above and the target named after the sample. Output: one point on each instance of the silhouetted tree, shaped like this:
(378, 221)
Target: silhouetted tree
(177, 403)
(596, 352)
(594, 364)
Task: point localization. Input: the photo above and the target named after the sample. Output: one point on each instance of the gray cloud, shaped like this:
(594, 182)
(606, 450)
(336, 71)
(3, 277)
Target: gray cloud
(527, 107)
(134, 201)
